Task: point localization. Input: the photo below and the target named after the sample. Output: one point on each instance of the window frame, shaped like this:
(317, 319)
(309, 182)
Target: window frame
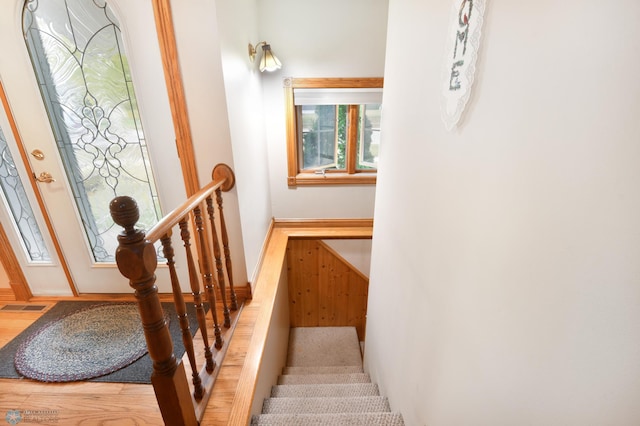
(352, 175)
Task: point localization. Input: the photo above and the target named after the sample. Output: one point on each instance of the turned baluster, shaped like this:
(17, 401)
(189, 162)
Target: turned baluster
(219, 269)
(207, 274)
(194, 281)
(227, 253)
(181, 310)
(137, 260)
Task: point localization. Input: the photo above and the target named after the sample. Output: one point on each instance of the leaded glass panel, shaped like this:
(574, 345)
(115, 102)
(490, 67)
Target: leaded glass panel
(78, 57)
(16, 199)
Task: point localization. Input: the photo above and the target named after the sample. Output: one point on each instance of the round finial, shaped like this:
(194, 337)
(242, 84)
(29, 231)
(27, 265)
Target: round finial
(124, 211)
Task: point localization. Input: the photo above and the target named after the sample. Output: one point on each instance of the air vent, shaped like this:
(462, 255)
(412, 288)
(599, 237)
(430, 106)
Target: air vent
(23, 308)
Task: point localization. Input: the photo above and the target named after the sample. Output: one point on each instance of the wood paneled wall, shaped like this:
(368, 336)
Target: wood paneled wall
(324, 289)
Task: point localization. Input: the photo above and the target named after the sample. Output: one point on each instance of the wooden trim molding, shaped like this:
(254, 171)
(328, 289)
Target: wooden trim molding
(177, 99)
(292, 224)
(292, 148)
(261, 256)
(7, 295)
(336, 83)
(17, 280)
(352, 139)
(333, 178)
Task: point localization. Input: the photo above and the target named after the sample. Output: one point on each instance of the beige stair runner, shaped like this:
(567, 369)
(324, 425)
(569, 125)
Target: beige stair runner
(324, 384)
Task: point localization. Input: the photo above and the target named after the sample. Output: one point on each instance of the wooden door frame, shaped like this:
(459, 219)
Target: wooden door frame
(184, 144)
(11, 265)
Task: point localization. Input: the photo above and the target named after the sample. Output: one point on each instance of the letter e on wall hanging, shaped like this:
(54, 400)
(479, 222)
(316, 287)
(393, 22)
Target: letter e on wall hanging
(460, 63)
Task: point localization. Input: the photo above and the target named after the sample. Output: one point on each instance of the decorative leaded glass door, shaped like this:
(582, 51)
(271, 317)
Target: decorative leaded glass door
(94, 130)
(21, 219)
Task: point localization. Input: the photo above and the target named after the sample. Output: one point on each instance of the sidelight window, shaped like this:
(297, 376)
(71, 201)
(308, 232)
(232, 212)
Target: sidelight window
(15, 198)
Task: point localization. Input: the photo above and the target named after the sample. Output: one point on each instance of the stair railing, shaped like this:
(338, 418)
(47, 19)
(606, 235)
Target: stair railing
(137, 259)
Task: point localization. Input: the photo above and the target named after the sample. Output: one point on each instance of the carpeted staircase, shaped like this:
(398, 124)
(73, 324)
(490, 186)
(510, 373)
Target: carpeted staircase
(324, 384)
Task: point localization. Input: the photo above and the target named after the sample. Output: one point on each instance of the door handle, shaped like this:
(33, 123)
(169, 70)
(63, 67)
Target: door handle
(39, 155)
(45, 177)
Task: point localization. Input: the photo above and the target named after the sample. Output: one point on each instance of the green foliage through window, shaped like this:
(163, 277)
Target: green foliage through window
(324, 134)
(333, 130)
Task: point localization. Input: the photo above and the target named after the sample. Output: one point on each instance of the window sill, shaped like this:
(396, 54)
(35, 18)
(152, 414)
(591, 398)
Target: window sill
(310, 179)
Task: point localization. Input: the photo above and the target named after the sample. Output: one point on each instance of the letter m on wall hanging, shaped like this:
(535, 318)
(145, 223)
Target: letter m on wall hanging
(460, 63)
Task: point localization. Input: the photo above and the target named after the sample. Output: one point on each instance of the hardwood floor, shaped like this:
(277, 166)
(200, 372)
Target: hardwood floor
(78, 403)
(93, 403)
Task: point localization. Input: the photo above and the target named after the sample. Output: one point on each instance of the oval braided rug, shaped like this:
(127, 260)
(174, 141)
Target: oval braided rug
(88, 343)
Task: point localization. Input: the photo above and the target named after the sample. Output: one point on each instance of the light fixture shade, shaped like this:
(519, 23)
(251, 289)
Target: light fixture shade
(269, 62)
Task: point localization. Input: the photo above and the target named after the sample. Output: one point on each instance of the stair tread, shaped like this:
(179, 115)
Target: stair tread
(321, 390)
(290, 379)
(324, 370)
(326, 346)
(324, 383)
(361, 404)
(342, 419)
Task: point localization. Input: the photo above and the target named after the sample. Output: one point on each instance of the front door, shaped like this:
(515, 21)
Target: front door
(93, 121)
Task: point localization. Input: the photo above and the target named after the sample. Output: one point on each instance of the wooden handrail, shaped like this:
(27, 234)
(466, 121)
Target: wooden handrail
(137, 260)
(171, 219)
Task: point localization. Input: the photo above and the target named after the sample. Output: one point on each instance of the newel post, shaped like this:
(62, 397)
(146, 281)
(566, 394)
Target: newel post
(137, 260)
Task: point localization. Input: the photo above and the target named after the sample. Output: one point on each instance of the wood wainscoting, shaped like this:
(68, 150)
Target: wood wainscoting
(324, 289)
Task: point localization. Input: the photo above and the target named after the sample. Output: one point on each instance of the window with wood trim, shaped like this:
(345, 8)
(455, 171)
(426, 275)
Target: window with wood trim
(333, 130)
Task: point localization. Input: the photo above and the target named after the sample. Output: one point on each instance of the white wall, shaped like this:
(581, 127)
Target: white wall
(504, 282)
(224, 101)
(237, 25)
(237, 113)
(328, 38)
(356, 252)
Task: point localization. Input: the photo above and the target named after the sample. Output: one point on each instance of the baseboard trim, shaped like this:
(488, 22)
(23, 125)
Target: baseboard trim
(251, 283)
(322, 223)
(6, 295)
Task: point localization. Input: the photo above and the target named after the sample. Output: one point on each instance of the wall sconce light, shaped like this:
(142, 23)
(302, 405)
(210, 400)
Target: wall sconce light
(268, 62)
